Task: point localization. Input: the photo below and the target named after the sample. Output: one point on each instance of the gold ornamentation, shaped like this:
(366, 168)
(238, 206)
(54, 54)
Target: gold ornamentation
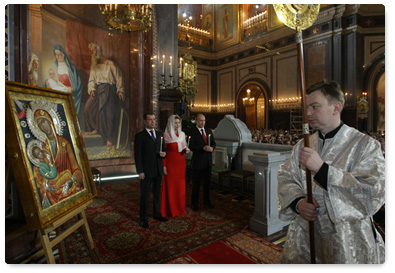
(43, 107)
(187, 80)
(29, 150)
(297, 16)
(127, 17)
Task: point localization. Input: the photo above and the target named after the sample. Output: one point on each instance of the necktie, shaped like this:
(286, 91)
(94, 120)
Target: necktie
(204, 136)
(152, 135)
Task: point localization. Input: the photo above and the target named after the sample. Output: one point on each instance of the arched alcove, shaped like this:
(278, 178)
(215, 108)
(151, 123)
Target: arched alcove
(251, 104)
(375, 93)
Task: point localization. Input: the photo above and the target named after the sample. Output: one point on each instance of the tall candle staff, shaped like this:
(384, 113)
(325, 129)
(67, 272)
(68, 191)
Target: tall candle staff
(300, 17)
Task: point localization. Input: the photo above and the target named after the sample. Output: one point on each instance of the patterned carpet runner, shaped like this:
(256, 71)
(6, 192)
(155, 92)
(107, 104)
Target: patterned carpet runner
(118, 237)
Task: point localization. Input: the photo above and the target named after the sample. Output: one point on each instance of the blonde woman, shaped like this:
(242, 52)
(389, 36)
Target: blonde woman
(173, 185)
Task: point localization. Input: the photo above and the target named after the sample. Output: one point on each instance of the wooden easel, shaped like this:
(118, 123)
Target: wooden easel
(48, 244)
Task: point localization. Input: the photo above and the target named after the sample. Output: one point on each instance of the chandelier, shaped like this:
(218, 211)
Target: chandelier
(248, 101)
(127, 17)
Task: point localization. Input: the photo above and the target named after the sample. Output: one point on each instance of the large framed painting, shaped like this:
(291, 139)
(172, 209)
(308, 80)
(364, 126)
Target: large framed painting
(71, 50)
(47, 153)
(226, 26)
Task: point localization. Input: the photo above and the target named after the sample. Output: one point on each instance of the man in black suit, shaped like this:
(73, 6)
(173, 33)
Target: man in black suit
(148, 155)
(202, 144)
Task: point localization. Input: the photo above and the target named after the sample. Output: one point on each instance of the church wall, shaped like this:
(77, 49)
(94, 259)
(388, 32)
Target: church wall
(260, 68)
(285, 75)
(204, 86)
(344, 40)
(318, 61)
(374, 47)
(226, 85)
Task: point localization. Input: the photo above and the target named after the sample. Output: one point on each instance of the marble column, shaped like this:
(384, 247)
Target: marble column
(265, 219)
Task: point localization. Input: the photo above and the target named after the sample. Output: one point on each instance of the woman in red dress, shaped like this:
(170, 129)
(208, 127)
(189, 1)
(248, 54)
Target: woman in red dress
(173, 185)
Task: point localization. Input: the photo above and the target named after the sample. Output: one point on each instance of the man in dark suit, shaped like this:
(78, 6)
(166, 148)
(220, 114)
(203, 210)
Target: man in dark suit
(202, 144)
(148, 155)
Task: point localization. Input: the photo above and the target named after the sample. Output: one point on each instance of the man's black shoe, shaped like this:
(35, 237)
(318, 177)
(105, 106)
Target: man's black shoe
(195, 207)
(144, 224)
(160, 218)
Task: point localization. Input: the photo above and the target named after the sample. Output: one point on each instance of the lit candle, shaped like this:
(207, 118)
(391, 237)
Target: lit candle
(171, 60)
(189, 138)
(209, 135)
(180, 68)
(163, 65)
(116, 9)
(161, 143)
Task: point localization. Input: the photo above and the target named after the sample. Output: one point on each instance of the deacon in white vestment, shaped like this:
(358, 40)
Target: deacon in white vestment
(348, 183)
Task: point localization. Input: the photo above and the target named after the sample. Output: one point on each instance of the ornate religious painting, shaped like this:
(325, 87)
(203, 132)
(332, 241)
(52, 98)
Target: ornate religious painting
(47, 153)
(84, 58)
(226, 30)
(208, 17)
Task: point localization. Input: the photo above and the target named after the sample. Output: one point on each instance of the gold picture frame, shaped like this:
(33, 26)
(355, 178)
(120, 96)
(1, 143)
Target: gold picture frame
(47, 153)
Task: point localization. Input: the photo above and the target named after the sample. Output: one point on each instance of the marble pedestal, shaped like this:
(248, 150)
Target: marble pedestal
(265, 219)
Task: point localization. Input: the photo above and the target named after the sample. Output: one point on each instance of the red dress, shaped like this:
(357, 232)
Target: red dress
(173, 184)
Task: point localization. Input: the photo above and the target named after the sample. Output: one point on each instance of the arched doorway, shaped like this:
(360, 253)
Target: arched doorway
(380, 90)
(251, 105)
(261, 112)
(374, 92)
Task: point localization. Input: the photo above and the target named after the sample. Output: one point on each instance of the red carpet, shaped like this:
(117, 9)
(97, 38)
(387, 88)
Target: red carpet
(118, 237)
(244, 247)
(219, 253)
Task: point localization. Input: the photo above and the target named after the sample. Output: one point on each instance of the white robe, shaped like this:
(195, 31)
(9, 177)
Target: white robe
(355, 192)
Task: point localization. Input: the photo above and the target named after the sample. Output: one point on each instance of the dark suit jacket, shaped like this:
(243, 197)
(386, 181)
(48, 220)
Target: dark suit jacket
(200, 158)
(146, 154)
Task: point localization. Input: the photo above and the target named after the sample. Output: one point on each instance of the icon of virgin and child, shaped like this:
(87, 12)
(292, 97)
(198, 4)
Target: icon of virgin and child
(56, 171)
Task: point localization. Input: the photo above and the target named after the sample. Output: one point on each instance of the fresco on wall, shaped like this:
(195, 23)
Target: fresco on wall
(90, 63)
(226, 25)
(208, 17)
